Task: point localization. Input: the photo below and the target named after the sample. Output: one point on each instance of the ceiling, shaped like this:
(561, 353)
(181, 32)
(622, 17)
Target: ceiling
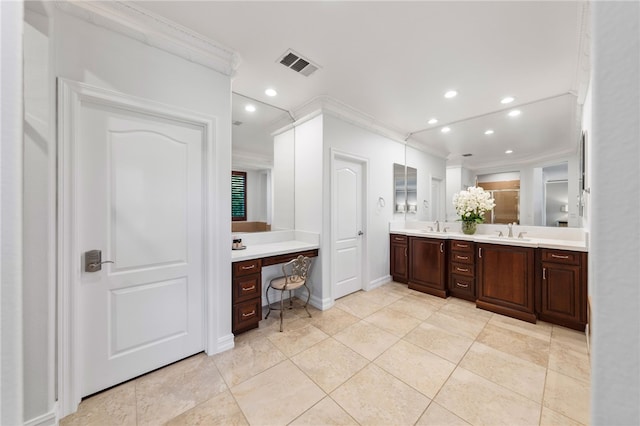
(393, 61)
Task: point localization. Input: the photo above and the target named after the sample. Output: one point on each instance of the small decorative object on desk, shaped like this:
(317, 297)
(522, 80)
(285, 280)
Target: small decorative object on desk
(471, 205)
(237, 244)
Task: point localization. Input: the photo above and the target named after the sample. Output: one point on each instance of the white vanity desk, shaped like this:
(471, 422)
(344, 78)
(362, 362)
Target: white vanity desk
(263, 250)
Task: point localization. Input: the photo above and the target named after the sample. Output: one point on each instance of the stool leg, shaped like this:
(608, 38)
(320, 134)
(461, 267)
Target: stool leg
(308, 298)
(281, 308)
(268, 303)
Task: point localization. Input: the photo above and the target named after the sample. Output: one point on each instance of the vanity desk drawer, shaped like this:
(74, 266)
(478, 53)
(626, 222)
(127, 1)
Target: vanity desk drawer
(247, 267)
(247, 287)
(246, 315)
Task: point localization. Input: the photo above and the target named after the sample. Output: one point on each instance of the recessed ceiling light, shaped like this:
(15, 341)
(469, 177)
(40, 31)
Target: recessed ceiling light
(270, 92)
(507, 100)
(451, 94)
(509, 151)
(445, 129)
(250, 108)
(488, 132)
(433, 121)
(514, 113)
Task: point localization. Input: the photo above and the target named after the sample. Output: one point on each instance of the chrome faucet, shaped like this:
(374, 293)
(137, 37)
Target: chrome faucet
(437, 224)
(510, 226)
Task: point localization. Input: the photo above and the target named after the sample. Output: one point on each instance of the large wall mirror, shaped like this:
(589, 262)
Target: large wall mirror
(543, 160)
(253, 161)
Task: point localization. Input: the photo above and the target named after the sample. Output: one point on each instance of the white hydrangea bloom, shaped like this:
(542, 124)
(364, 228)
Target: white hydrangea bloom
(472, 204)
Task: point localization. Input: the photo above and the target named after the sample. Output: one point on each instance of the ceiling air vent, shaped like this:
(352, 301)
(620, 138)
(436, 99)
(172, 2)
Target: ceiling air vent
(467, 155)
(237, 123)
(296, 62)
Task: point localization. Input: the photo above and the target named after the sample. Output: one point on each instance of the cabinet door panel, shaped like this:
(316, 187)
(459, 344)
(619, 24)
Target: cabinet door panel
(399, 267)
(427, 265)
(561, 291)
(506, 280)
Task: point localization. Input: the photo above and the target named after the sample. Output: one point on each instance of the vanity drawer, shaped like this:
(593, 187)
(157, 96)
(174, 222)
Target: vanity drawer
(247, 267)
(463, 287)
(398, 239)
(459, 257)
(462, 246)
(462, 269)
(247, 287)
(561, 256)
(246, 315)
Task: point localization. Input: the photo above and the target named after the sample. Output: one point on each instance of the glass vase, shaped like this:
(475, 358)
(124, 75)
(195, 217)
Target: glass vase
(469, 227)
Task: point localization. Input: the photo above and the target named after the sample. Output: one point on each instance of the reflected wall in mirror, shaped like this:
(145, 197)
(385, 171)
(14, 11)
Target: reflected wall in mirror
(545, 133)
(400, 188)
(505, 191)
(253, 154)
(412, 190)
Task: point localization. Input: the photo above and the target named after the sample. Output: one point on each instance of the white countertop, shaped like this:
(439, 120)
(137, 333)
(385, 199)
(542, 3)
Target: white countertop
(255, 251)
(575, 245)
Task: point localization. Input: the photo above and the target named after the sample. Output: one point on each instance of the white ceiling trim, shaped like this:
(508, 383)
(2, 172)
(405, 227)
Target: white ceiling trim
(153, 30)
(325, 104)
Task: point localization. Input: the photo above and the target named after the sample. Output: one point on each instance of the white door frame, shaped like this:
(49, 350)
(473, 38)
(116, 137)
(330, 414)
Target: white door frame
(70, 96)
(335, 155)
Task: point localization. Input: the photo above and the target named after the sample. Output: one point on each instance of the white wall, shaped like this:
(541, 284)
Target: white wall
(308, 175)
(94, 55)
(615, 222)
(39, 236)
(11, 169)
(283, 185)
(381, 153)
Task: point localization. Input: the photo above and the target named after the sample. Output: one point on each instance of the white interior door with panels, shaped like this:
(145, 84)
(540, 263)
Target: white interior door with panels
(347, 230)
(134, 209)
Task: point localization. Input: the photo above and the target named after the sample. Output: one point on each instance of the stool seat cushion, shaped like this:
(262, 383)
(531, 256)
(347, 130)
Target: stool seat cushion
(284, 283)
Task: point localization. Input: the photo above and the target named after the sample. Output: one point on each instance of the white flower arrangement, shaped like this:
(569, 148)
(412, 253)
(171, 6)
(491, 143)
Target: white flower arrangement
(472, 204)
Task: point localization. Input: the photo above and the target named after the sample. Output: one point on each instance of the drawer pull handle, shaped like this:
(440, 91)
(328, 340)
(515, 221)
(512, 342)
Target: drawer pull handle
(405, 252)
(462, 245)
(544, 273)
(462, 285)
(480, 252)
(399, 239)
(557, 256)
(248, 267)
(441, 247)
(462, 269)
(462, 257)
(253, 287)
(250, 314)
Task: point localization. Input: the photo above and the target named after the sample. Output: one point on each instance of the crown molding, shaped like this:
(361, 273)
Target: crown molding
(142, 25)
(325, 104)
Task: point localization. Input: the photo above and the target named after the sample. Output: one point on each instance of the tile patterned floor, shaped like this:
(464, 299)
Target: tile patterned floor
(390, 356)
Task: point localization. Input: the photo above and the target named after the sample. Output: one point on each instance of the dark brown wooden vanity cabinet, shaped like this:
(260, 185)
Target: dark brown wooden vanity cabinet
(399, 258)
(427, 265)
(246, 295)
(462, 269)
(506, 280)
(562, 288)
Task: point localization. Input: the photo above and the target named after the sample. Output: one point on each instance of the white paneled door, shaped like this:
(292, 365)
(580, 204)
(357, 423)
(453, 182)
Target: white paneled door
(347, 232)
(139, 201)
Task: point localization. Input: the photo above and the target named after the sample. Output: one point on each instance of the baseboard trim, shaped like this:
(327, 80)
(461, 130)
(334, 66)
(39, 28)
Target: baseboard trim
(47, 419)
(379, 282)
(322, 304)
(224, 343)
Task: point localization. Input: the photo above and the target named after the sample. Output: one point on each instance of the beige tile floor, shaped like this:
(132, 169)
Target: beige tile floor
(390, 356)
